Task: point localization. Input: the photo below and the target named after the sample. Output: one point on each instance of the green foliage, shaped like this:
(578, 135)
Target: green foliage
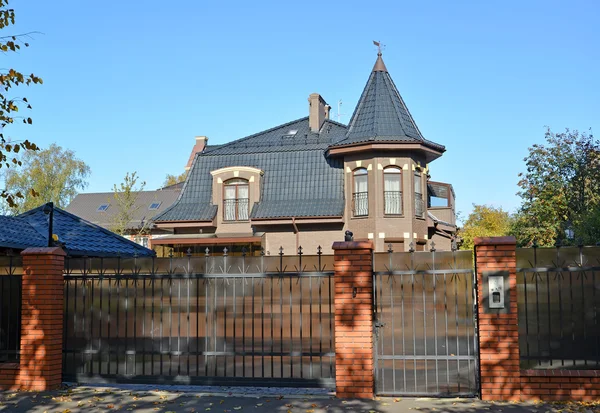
(484, 221)
(560, 188)
(53, 174)
(11, 106)
(126, 197)
(174, 179)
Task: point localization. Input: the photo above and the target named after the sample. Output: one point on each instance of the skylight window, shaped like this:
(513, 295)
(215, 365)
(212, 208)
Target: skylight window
(291, 133)
(103, 207)
(154, 206)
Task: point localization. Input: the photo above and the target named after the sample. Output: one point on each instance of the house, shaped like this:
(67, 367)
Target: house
(76, 236)
(306, 182)
(101, 208)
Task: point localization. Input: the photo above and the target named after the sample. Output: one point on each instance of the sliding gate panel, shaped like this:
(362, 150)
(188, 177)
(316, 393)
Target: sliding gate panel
(201, 321)
(425, 324)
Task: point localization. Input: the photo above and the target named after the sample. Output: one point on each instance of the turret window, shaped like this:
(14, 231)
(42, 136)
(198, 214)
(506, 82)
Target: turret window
(392, 191)
(360, 197)
(419, 204)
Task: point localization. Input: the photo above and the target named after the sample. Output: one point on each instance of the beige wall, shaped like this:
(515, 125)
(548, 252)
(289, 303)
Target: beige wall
(253, 176)
(377, 226)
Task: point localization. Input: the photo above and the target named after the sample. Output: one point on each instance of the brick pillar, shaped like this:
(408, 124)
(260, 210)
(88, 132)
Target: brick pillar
(40, 365)
(353, 319)
(498, 329)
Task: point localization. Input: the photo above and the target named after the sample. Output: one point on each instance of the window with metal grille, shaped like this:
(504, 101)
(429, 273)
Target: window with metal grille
(392, 191)
(360, 197)
(419, 205)
(235, 200)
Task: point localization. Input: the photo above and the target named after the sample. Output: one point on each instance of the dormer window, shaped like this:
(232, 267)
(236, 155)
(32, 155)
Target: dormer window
(360, 197)
(392, 191)
(235, 200)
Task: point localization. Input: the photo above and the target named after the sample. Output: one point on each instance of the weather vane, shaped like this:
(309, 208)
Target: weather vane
(379, 46)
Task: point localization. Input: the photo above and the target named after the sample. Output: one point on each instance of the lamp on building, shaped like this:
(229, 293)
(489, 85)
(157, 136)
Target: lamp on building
(49, 210)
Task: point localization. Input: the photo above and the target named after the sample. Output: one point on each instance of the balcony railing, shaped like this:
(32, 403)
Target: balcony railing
(235, 209)
(360, 204)
(392, 201)
(419, 206)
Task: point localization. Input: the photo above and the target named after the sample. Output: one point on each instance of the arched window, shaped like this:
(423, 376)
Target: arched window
(235, 200)
(360, 197)
(419, 204)
(392, 190)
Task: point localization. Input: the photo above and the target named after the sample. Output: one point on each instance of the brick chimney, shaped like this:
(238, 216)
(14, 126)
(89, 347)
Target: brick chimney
(318, 111)
(201, 142)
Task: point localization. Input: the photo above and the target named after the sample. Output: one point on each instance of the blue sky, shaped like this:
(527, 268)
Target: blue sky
(128, 84)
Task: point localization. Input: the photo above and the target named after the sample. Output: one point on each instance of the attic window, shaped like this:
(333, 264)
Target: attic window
(154, 206)
(103, 207)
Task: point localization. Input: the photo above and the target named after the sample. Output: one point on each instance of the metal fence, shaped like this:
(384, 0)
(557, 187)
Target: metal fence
(10, 307)
(425, 318)
(558, 303)
(203, 320)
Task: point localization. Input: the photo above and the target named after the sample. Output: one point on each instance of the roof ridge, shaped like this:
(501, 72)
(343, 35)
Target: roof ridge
(225, 145)
(336, 123)
(140, 192)
(81, 221)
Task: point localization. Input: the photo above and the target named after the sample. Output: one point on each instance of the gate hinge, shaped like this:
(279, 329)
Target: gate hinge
(379, 324)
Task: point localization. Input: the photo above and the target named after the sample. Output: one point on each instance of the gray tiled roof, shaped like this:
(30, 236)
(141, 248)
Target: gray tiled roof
(81, 238)
(382, 116)
(86, 206)
(298, 181)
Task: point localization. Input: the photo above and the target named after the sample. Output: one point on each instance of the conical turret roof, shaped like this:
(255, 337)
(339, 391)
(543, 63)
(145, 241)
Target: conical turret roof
(381, 114)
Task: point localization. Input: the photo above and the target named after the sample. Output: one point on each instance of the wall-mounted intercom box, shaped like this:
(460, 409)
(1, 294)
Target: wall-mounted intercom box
(495, 291)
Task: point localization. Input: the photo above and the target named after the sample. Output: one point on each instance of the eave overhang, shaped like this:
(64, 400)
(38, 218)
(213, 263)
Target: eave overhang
(430, 153)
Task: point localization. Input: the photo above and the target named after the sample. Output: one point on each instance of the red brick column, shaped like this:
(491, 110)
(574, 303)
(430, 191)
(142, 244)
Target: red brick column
(40, 364)
(353, 319)
(498, 329)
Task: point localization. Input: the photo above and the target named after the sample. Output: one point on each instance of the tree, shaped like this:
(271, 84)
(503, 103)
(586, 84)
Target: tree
(126, 197)
(10, 106)
(53, 174)
(484, 221)
(174, 179)
(560, 187)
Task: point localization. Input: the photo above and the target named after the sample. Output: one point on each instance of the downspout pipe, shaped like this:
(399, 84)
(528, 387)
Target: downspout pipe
(297, 232)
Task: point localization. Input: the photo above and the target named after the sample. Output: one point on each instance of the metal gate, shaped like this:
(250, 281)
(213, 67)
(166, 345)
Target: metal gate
(219, 320)
(425, 324)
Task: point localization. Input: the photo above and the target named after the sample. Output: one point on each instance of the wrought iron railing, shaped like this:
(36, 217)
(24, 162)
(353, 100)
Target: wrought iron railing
(10, 307)
(266, 320)
(392, 201)
(235, 209)
(419, 206)
(558, 305)
(360, 204)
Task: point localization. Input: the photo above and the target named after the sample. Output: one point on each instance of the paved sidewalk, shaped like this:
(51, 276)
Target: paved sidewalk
(102, 399)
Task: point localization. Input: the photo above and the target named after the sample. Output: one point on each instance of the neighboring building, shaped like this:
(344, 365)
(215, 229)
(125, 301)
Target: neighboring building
(75, 235)
(305, 182)
(102, 209)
